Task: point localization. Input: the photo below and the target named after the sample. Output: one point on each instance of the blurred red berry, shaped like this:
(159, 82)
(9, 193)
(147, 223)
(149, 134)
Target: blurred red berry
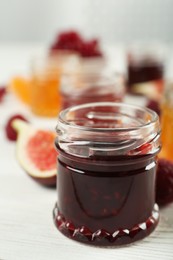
(2, 93)
(90, 49)
(164, 182)
(10, 131)
(69, 40)
(73, 41)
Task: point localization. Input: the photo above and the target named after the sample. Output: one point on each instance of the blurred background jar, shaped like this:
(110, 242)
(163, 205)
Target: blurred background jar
(46, 75)
(167, 123)
(87, 86)
(166, 111)
(146, 70)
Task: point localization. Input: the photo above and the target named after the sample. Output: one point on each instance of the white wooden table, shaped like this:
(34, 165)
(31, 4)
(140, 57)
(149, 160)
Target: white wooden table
(27, 230)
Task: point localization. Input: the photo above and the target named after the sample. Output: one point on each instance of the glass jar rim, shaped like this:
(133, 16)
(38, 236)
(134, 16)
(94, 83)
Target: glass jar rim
(114, 129)
(154, 119)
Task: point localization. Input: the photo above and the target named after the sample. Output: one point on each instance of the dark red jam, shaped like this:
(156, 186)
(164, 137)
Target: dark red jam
(105, 201)
(145, 77)
(144, 72)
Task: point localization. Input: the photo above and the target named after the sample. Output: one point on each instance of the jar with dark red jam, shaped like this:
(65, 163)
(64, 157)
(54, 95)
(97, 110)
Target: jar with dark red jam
(106, 173)
(146, 71)
(91, 86)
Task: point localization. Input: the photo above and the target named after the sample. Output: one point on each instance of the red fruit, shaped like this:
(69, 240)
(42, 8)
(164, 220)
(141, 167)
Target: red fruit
(90, 49)
(10, 131)
(2, 93)
(73, 41)
(164, 182)
(41, 150)
(69, 40)
(143, 149)
(154, 105)
(36, 152)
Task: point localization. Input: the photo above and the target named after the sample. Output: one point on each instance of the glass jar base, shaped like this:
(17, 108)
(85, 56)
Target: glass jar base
(102, 237)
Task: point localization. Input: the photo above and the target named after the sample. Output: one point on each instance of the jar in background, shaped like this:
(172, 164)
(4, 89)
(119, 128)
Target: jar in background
(106, 173)
(45, 77)
(167, 123)
(87, 87)
(146, 71)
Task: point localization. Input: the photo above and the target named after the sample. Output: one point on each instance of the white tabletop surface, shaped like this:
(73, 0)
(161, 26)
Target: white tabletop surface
(27, 230)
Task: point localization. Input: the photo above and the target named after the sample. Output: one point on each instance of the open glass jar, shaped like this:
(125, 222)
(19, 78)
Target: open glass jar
(91, 86)
(106, 173)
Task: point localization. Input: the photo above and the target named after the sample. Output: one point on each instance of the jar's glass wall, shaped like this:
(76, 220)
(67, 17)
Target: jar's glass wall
(106, 165)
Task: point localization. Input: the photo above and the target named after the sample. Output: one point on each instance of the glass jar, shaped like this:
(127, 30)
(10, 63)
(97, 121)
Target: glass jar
(46, 73)
(106, 173)
(87, 87)
(146, 70)
(167, 123)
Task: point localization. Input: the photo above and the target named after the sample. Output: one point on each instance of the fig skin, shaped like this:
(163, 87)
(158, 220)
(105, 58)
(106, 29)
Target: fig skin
(45, 181)
(49, 181)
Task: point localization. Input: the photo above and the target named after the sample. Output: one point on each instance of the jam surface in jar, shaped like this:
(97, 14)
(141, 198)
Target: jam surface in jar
(106, 189)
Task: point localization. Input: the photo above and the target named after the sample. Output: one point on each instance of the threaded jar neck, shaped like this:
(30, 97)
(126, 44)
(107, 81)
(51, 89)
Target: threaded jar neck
(109, 129)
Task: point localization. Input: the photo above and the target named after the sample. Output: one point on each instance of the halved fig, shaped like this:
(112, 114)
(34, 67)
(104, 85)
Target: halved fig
(36, 152)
